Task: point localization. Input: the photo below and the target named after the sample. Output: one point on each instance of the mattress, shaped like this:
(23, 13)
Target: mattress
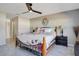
(28, 38)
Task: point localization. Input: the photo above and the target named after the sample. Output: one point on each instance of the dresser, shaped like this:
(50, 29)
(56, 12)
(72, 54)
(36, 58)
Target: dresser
(76, 48)
(61, 40)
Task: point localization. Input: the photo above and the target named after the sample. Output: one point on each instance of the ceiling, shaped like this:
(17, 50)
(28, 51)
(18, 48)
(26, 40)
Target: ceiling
(46, 8)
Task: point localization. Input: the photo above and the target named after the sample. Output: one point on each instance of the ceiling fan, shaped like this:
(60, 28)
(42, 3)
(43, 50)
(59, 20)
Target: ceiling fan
(29, 6)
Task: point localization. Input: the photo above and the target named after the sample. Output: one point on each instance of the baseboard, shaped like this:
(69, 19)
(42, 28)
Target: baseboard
(2, 44)
(70, 45)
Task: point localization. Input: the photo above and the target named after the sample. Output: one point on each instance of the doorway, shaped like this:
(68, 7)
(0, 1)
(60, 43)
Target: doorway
(13, 31)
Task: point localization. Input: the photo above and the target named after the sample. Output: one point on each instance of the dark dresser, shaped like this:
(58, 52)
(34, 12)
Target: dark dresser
(61, 40)
(76, 48)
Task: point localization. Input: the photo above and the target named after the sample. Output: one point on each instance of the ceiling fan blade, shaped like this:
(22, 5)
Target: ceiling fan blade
(22, 13)
(36, 11)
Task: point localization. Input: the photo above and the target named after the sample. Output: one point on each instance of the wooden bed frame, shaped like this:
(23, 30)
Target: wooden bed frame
(43, 50)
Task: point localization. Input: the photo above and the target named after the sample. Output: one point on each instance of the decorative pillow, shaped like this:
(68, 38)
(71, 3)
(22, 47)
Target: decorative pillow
(47, 30)
(44, 30)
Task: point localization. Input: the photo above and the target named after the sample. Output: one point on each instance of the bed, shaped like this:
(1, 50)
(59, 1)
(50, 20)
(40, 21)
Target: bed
(36, 43)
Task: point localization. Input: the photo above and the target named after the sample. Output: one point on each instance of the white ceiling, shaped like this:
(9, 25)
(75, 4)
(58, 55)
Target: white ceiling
(46, 8)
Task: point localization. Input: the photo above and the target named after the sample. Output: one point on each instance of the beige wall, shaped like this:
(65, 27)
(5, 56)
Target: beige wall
(23, 25)
(19, 25)
(67, 19)
(13, 27)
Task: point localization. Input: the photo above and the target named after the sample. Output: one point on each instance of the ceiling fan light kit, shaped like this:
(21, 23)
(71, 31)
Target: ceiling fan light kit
(30, 11)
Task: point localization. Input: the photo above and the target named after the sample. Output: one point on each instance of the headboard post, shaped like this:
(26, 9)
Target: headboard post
(44, 47)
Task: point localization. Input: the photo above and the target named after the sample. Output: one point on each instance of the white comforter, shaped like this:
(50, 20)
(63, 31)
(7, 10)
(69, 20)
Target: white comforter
(27, 38)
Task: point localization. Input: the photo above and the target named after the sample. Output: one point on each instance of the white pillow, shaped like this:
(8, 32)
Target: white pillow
(48, 30)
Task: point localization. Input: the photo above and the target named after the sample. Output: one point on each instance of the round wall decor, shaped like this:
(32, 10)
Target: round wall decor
(45, 21)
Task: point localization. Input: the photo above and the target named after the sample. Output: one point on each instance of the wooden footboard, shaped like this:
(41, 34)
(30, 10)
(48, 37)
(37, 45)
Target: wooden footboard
(44, 47)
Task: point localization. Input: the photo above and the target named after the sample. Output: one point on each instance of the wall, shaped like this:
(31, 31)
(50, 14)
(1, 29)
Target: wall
(19, 25)
(2, 28)
(67, 19)
(23, 25)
